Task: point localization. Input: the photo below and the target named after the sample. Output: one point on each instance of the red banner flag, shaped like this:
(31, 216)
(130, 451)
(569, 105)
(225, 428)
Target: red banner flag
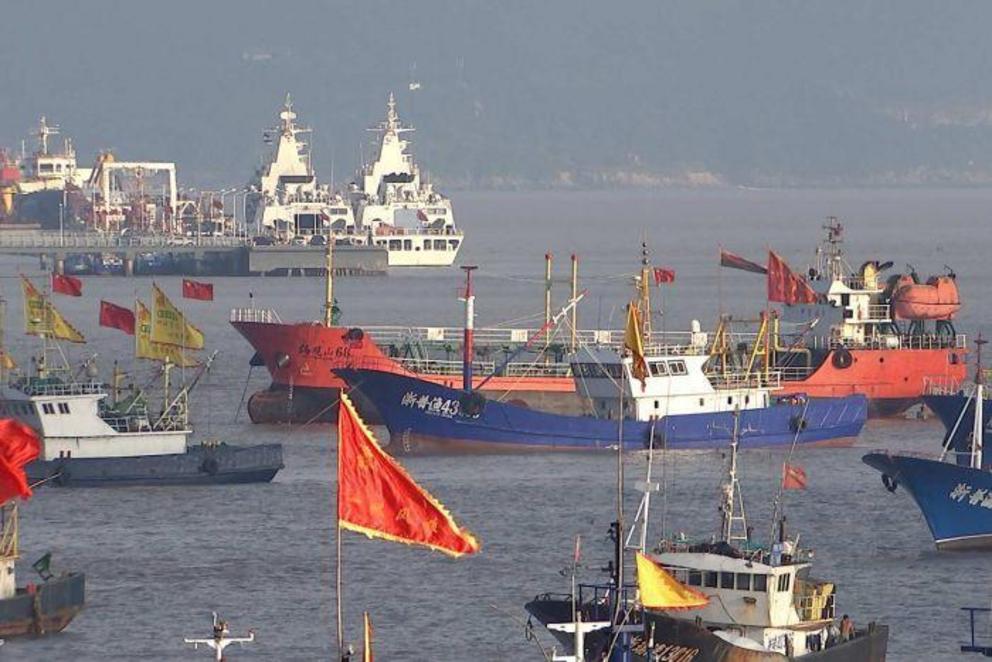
(68, 285)
(793, 477)
(663, 275)
(19, 445)
(377, 497)
(196, 290)
(785, 286)
(117, 317)
(732, 261)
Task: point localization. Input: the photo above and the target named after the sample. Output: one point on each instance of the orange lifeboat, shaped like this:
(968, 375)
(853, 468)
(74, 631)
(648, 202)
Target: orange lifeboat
(937, 299)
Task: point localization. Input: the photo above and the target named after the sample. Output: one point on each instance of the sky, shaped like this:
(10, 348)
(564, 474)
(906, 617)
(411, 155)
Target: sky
(519, 94)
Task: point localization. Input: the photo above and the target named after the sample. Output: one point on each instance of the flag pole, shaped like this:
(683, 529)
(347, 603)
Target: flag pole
(337, 545)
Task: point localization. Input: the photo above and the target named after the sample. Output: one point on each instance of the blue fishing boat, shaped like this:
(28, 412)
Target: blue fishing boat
(954, 490)
(423, 417)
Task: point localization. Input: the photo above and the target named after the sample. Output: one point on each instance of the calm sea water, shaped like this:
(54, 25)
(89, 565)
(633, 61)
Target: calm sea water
(159, 560)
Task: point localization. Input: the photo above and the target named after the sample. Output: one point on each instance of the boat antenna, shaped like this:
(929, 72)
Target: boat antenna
(978, 430)
(221, 639)
(329, 283)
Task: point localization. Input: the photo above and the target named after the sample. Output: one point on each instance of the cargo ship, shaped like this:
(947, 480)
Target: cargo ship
(889, 340)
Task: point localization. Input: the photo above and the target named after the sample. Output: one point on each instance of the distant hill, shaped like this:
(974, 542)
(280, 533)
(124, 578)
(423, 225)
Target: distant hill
(522, 94)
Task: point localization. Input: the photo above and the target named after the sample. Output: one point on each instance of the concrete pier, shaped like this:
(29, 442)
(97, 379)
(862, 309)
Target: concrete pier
(218, 256)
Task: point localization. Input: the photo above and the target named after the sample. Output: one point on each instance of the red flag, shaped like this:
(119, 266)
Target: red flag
(785, 286)
(196, 290)
(117, 317)
(377, 497)
(793, 477)
(728, 259)
(68, 285)
(19, 445)
(663, 275)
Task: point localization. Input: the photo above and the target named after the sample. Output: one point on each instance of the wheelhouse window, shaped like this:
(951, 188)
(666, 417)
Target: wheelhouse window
(63, 407)
(760, 583)
(439, 244)
(677, 368)
(743, 581)
(695, 578)
(784, 581)
(710, 579)
(726, 580)
(659, 368)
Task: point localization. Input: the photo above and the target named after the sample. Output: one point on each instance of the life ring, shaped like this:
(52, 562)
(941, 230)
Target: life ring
(472, 404)
(797, 423)
(842, 358)
(890, 483)
(210, 466)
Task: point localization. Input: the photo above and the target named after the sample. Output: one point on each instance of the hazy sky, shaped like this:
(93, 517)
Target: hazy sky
(815, 90)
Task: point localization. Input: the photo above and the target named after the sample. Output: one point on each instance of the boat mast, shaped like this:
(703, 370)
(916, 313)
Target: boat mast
(733, 500)
(575, 294)
(978, 430)
(329, 284)
(469, 337)
(645, 288)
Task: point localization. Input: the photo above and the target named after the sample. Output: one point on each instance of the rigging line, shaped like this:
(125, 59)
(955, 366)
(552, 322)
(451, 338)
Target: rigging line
(244, 392)
(781, 483)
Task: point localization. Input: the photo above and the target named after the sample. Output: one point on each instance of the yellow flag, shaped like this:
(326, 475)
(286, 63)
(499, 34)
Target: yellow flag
(144, 348)
(659, 590)
(633, 342)
(169, 325)
(42, 319)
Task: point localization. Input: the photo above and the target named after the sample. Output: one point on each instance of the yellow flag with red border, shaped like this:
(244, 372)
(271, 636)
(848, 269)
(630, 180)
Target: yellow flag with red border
(42, 319)
(145, 348)
(170, 326)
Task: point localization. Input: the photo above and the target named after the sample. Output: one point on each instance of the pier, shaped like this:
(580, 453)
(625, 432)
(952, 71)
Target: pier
(224, 255)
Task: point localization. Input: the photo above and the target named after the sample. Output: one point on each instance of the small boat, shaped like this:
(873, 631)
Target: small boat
(36, 608)
(94, 438)
(954, 490)
(937, 299)
(727, 598)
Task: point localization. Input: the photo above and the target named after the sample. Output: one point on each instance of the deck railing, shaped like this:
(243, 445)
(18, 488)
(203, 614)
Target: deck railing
(257, 315)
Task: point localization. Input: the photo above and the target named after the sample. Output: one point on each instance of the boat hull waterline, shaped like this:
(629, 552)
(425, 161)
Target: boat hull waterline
(956, 501)
(423, 418)
(200, 465)
(49, 608)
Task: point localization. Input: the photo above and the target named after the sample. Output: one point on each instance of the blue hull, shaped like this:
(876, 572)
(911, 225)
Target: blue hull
(948, 408)
(200, 465)
(956, 501)
(423, 417)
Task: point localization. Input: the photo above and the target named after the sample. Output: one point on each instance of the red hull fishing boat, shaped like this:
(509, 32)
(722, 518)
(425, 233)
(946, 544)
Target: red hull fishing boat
(522, 366)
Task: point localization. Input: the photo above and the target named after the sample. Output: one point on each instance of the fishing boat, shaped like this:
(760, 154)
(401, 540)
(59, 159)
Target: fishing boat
(844, 330)
(525, 365)
(723, 599)
(662, 394)
(93, 435)
(38, 608)
(953, 490)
